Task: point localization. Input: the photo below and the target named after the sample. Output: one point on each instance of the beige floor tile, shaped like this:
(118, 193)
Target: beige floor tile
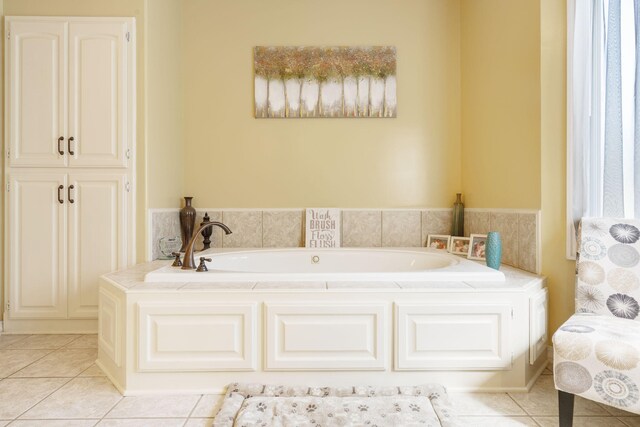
(498, 421)
(85, 341)
(79, 398)
(143, 422)
(154, 406)
(92, 371)
(4, 423)
(617, 412)
(630, 421)
(208, 406)
(199, 422)
(54, 423)
(487, 404)
(581, 421)
(11, 361)
(43, 342)
(542, 400)
(61, 363)
(8, 339)
(18, 395)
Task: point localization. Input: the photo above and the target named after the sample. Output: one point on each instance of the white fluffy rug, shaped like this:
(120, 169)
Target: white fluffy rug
(279, 406)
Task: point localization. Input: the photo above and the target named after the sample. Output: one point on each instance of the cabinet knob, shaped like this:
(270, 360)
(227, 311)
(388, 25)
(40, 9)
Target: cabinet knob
(69, 146)
(60, 150)
(71, 187)
(60, 188)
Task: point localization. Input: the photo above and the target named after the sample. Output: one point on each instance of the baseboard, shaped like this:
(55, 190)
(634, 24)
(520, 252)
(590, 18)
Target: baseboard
(52, 326)
(115, 383)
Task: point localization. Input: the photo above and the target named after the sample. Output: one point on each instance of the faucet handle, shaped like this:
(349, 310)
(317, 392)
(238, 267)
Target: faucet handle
(176, 262)
(203, 266)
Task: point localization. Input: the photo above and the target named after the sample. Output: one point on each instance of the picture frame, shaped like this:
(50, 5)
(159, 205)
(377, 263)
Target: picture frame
(438, 241)
(477, 247)
(460, 245)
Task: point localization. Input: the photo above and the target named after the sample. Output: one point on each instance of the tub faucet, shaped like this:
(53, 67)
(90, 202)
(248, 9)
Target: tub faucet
(189, 263)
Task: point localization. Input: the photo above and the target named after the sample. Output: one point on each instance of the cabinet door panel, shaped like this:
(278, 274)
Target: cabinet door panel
(538, 324)
(453, 335)
(98, 94)
(97, 236)
(36, 113)
(37, 261)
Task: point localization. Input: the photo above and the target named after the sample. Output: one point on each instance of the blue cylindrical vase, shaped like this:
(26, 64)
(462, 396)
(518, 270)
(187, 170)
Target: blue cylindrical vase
(493, 250)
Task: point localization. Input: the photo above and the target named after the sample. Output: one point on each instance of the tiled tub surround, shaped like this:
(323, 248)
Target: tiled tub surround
(197, 337)
(279, 228)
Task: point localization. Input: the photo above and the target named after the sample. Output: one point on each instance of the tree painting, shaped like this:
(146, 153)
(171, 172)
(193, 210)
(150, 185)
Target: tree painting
(292, 81)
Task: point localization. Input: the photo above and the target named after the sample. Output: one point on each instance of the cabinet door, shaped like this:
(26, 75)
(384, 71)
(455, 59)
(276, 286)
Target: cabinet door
(98, 94)
(36, 72)
(36, 255)
(538, 324)
(97, 236)
(453, 335)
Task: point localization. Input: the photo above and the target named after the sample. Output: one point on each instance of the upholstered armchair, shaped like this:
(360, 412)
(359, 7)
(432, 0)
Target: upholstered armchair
(597, 351)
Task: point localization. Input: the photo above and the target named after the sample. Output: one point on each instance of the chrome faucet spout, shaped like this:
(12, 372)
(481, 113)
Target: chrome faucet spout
(189, 262)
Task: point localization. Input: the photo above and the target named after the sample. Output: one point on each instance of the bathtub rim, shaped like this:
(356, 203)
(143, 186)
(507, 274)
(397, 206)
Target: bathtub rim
(461, 269)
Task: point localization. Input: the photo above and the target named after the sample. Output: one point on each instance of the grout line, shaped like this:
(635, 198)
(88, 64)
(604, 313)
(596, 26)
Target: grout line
(193, 409)
(42, 400)
(381, 228)
(114, 405)
(517, 404)
(19, 341)
(422, 244)
(35, 361)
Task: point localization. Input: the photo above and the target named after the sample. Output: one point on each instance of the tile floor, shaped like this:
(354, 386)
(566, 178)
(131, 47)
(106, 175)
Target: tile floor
(51, 380)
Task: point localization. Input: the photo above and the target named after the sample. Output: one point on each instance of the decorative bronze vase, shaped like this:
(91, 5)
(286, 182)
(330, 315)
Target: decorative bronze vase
(457, 225)
(187, 221)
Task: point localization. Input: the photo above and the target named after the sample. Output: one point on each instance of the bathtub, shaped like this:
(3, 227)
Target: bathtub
(344, 264)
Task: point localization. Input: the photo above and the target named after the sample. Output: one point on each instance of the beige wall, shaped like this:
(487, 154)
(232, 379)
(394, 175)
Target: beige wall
(560, 272)
(514, 122)
(2, 263)
(501, 103)
(164, 126)
(235, 160)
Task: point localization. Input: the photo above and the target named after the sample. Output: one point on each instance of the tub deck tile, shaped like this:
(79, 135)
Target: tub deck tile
(434, 285)
(212, 286)
(362, 285)
(290, 285)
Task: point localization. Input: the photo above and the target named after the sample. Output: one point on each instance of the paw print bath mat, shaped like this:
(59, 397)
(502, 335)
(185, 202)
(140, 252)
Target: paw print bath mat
(279, 406)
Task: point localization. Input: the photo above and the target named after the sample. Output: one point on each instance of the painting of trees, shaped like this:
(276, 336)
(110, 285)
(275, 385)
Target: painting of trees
(294, 81)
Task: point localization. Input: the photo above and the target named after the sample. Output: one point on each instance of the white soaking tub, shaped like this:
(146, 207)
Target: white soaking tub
(344, 264)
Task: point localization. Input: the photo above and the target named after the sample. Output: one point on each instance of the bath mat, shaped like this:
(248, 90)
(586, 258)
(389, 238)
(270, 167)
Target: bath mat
(279, 406)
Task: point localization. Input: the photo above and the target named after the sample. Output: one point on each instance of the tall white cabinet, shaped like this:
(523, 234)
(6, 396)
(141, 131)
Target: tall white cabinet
(69, 167)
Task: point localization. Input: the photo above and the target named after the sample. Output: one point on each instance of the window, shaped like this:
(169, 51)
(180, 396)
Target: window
(603, 117)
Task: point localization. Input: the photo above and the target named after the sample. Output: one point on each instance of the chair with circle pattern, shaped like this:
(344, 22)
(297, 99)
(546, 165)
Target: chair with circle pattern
(597, 351)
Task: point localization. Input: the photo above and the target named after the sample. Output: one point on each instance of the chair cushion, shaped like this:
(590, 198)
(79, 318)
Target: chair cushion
(598, 357)
(609, 267)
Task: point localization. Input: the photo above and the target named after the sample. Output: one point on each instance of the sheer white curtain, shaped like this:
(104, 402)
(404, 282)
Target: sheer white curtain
(603, 171)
